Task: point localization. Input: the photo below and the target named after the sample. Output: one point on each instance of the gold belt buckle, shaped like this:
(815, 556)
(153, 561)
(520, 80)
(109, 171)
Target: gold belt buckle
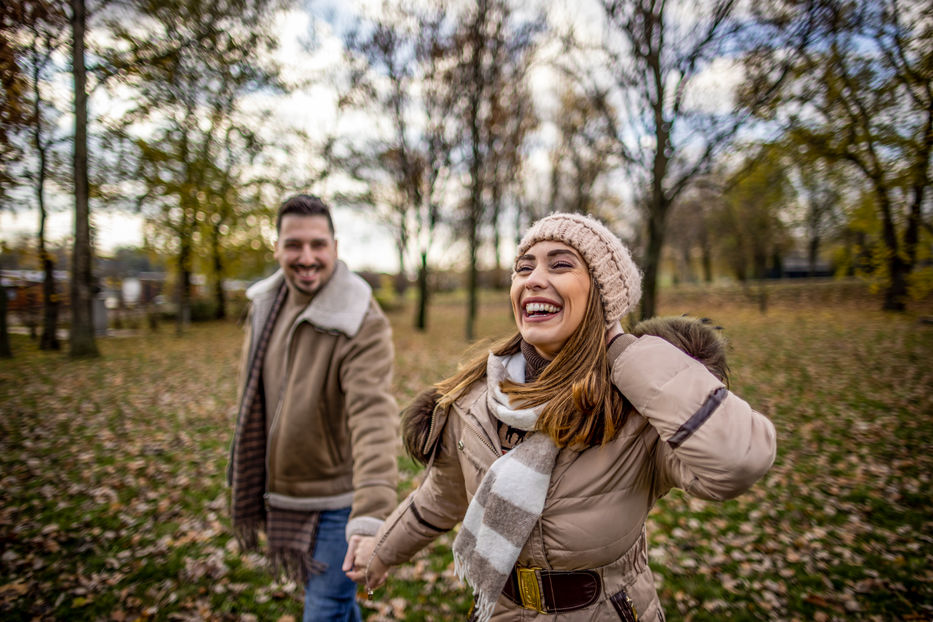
(529, 589)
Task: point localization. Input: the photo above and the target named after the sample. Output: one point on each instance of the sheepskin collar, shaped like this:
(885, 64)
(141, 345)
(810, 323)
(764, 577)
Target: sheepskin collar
(339, 306)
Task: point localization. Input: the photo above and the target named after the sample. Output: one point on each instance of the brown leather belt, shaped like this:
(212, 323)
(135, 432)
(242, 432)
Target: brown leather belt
(552, 591)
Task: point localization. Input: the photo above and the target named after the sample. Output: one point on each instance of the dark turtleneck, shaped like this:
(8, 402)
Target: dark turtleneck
(509, 437)
(534, 362)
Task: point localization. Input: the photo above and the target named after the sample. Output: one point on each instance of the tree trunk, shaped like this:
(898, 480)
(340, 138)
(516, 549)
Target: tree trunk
(5, 351)
(657, 209)
(895, 296)
(652, 261)
(762, 298)
(474, 219)
(813, 251)
(686, 264)
(472, 280)
(82, 295)
(49, 339)
(706, 255)
(400, 283)
(183, 290)
(520, 210)
(220, 309)
(421, 318)
(496, 236)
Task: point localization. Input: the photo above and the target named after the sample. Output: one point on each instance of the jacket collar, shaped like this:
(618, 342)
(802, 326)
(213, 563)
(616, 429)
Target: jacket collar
(339, 306)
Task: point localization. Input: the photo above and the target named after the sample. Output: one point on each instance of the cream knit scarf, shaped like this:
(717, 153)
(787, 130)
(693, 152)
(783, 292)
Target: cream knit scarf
(510, 498)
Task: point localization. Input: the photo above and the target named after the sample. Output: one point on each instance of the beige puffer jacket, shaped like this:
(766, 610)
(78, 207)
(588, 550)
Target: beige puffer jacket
(689, 432)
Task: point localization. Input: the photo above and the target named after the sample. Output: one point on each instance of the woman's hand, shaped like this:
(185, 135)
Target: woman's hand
(359, 555)
(613, 331)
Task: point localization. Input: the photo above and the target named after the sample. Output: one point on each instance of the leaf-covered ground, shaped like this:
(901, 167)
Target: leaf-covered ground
(113, 503)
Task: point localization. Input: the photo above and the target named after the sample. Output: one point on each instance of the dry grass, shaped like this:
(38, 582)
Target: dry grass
(112, 501)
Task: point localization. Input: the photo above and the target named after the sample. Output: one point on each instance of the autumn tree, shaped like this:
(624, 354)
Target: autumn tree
(751, 235)
(14, 98)
(691, 231)
(82, 343)
(861, 94)
(495, 47)
(511, 118)
(14, 114)
(453, 87)
(822, 189)
(39, 40)
(399, 72)
(582, 159)
(669, 129)
(190, 63)
(229, 202)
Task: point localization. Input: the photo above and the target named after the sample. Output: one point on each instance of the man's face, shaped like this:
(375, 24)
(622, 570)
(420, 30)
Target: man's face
(307, 252)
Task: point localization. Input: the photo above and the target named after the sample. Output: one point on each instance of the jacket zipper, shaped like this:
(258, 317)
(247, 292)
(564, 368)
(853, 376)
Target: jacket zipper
(431, 426)
(483, 438)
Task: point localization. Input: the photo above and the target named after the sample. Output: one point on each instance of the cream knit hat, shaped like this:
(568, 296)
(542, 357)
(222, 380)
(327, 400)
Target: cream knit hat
(609, 261)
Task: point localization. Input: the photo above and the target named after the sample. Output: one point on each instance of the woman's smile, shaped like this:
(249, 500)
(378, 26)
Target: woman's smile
(539, 310)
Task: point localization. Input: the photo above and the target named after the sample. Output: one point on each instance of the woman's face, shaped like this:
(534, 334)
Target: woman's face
(549, 294)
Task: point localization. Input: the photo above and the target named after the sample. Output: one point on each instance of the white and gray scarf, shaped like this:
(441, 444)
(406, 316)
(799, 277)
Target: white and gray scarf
(510, 498)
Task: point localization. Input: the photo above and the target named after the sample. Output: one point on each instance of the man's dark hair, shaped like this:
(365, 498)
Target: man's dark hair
(304, 205)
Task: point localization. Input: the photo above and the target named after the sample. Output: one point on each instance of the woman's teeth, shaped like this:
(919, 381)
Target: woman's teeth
(533, 308)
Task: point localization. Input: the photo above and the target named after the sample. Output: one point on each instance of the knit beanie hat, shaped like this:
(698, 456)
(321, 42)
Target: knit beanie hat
(609, 261)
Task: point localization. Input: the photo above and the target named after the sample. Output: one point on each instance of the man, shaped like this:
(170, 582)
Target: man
(313, 457)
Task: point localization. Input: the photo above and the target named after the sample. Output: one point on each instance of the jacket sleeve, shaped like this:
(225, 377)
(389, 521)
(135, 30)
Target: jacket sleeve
(372, 419)
(433, 508)
(712, 443)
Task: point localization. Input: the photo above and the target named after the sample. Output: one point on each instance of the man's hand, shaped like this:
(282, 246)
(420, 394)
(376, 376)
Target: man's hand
(359, 555)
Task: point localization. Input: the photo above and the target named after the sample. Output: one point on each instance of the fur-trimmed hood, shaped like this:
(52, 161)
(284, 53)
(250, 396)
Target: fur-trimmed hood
(697, 337)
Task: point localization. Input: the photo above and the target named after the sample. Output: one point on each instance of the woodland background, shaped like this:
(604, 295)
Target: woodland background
(767, 162)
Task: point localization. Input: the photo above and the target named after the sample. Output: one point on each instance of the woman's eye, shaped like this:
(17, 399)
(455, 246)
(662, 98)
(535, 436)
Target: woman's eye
(522, 269)
(562, 264)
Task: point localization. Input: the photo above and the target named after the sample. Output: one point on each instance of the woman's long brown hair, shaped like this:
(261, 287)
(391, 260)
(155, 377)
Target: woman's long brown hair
(583, 408)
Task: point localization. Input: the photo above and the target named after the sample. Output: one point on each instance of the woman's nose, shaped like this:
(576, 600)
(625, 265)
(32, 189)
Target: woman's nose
(536, 279)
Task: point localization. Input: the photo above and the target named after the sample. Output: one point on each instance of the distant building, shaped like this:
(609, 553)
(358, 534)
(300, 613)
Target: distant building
(795, 266)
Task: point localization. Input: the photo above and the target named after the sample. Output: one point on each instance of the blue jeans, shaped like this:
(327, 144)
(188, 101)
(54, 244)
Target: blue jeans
(331, 596)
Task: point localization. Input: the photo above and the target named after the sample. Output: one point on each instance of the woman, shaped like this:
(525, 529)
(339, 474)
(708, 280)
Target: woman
(552, 449)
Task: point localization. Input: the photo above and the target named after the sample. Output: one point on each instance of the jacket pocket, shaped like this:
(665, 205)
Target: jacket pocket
(624, 606)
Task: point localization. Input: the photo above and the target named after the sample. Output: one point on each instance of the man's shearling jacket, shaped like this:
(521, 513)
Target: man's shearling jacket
(333, 440)
(688, 432)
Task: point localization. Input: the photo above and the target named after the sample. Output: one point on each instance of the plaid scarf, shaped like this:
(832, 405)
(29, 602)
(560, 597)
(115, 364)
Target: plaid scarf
(291, 534)
(509, 500)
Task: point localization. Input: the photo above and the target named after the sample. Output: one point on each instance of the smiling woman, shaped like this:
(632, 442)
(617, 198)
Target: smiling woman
(552, 449)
